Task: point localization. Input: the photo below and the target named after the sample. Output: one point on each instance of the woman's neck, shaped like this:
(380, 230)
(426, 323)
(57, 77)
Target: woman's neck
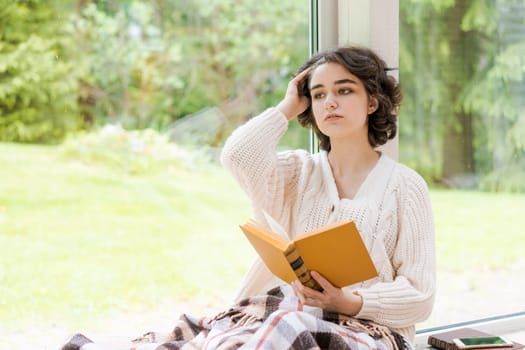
(350, 167)
(352, 159)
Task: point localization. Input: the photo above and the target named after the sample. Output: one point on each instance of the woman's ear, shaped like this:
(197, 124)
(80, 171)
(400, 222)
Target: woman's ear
(372, 105)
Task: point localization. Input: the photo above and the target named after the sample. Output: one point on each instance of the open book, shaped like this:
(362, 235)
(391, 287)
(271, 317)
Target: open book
(336, 251)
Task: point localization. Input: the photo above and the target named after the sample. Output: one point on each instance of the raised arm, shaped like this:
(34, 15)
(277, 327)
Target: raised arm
(250, 153)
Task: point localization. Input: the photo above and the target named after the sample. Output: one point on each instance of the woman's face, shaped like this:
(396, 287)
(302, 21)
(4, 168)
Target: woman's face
(340, 103)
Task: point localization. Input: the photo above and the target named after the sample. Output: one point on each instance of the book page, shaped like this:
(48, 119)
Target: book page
(275, 226)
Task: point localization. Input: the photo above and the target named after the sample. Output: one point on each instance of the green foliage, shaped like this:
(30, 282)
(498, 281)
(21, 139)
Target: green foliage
(243, 57)
(296, 137)
(509, 179)
(133, 152)
(38, 88)
(142, 64)
(129, 71)
(463, 77)
(423, 51)
(148, 64)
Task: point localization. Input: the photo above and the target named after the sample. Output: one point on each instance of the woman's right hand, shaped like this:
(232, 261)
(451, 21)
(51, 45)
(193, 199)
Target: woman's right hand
(293, 103)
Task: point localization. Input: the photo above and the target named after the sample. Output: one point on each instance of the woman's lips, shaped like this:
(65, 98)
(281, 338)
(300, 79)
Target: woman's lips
(331, 117)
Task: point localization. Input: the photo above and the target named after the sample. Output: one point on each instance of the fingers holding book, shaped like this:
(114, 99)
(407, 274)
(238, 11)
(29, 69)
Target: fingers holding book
(312, 297)
(330, 298)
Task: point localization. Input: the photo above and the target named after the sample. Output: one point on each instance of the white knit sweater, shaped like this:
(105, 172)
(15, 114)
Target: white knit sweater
(392, 210)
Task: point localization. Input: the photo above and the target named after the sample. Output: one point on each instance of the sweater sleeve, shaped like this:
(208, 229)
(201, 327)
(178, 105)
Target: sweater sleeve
(409, 297)
(267, 177)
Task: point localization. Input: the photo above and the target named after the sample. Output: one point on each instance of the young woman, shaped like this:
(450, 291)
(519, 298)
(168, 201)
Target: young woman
(351, 103)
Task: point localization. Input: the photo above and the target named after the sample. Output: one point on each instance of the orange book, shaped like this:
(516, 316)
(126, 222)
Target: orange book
(336, 251)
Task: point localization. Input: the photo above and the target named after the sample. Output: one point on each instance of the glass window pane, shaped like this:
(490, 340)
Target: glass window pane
(118, 217)
(462, 127)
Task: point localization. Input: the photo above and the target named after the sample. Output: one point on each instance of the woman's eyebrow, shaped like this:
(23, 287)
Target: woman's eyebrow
(337, 82)
(345, 81)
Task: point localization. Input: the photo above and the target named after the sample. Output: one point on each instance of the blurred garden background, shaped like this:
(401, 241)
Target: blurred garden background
(113, 112)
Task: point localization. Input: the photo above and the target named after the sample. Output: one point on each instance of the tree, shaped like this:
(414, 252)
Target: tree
(496, 95)
(149, 63)
(241, 54)
(461, 70)
(462, 54)
(141, 63)
(38, 88)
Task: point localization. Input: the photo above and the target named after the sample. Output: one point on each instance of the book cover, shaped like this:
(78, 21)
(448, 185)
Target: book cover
(336, 251)
(444, 340)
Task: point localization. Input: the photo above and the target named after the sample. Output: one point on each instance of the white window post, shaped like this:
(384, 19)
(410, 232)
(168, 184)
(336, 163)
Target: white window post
(369, 23)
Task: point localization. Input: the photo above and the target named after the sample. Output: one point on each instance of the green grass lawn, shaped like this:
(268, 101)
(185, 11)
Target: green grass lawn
(477, 230)
(78, 240)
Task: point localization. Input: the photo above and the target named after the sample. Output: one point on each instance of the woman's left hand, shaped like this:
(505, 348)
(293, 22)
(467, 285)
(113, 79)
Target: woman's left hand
(331, 298)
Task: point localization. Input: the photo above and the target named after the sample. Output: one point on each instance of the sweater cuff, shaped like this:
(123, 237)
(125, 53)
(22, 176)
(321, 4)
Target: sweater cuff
(278, 117)
(268, 127)
(371, 306)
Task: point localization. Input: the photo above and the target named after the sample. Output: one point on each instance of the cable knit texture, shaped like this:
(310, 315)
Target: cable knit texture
(392, 210)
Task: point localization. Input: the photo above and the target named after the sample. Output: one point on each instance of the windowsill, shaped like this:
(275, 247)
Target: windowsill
(511, 326)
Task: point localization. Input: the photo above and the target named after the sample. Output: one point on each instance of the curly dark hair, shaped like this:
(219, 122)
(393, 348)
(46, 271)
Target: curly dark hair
(372, 71)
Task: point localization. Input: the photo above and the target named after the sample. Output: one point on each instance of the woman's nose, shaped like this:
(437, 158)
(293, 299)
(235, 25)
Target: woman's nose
(330, 103)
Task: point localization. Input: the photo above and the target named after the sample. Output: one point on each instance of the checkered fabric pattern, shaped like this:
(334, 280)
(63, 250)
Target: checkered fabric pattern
(270, 321)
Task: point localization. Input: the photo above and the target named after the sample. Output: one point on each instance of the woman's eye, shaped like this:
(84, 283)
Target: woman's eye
(344, 91)
(318, 95)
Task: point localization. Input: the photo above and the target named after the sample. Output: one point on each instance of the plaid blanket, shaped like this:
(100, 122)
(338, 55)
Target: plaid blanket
(270, 321)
